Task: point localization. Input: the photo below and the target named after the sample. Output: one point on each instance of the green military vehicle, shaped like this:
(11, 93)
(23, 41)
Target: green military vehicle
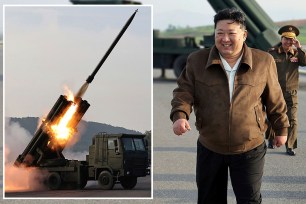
(112, 158)
(171, 53)
(117, 158)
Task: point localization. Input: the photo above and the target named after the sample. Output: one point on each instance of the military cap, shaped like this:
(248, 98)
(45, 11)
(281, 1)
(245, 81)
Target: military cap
(289, 31)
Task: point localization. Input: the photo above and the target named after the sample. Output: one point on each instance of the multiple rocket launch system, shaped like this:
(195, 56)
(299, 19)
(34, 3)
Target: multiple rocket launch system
(44, 145)
(112, 158)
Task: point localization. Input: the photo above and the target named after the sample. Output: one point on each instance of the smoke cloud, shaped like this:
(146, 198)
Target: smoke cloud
(29, 179)
(18, 178)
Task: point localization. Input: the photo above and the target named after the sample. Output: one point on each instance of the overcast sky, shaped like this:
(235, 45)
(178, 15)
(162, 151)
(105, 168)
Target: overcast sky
(43, 53)
(49, 47)
(197, 12)
(200, 12)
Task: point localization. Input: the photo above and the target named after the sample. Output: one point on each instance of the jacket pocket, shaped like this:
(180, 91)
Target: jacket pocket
(259, 118)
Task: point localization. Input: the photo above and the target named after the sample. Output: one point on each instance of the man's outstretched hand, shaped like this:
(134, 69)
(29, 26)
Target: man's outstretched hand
(180, 126)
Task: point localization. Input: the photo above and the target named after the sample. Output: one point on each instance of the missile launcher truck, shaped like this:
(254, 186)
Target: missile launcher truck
(112, 159)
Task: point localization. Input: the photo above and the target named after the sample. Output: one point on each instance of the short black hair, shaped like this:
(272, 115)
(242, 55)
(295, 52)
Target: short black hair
(230, 14)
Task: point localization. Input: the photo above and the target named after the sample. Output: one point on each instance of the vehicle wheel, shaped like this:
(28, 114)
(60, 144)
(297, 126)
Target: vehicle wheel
(128, 182)
(179, 64)
(106, 180)
(54, 181)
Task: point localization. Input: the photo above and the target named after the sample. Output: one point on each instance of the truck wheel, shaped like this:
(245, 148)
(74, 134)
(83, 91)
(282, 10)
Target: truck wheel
(106, 180)
(54, 181)
(128, 182)
(179, 64)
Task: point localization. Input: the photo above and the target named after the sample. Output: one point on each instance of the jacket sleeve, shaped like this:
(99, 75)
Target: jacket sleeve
(301, 57)
(275, 104)
(183, 94)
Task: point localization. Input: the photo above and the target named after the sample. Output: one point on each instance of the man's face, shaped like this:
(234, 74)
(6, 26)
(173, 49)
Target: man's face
(229, 38)
(287, 43)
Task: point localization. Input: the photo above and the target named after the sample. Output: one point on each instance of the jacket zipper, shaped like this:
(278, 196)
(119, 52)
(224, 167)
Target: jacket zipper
(230, 105)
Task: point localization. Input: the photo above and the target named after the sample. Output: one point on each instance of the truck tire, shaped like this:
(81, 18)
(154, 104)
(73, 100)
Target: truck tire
(54, 181)
(179, 64)
(128, 182)
(106, 180)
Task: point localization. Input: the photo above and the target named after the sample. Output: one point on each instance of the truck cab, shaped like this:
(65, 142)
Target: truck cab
(117, 158)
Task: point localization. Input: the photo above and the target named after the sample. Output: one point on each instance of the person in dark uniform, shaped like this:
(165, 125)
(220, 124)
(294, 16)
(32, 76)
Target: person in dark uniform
(288, 57)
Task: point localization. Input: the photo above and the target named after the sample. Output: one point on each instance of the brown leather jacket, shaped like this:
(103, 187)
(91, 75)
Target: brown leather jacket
(287, 66)
(230, 127)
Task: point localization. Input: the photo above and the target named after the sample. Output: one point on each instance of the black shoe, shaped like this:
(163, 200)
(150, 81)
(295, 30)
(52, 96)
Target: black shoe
(290, 152)
(270, 145)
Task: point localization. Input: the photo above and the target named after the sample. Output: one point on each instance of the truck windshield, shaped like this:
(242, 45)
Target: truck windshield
(133, 144)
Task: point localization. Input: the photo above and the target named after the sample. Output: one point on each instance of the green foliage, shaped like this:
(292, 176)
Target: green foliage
(198, 32)
(302, 36)
(175, 31)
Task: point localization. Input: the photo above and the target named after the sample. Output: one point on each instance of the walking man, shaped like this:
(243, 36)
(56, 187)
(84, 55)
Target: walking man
(232, 89)
(288, 57)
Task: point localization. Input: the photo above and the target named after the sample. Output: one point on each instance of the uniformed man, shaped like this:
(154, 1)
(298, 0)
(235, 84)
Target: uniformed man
(288, 57)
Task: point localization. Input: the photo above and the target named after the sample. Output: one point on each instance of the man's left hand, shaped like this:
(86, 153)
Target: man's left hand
(279, 141)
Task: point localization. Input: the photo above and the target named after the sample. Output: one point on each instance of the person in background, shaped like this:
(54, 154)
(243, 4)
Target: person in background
(288, 57)
(232, 88)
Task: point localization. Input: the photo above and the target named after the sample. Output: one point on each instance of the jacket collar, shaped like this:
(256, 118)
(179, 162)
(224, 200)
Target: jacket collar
(214, 57)
(281, 49)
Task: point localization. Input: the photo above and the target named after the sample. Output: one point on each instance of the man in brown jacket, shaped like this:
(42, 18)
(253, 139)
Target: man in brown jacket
(288, 57)
(232, 89)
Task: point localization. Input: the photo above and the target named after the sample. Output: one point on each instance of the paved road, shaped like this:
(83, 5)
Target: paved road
(142, 189)
(284, 178)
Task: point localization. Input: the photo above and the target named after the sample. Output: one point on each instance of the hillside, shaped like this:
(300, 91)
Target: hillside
(298, 23)
(198, 32)
(89, 130)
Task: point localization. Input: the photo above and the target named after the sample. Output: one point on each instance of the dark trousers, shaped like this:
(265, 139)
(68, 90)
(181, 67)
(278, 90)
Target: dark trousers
(291, 99)
(245, 169)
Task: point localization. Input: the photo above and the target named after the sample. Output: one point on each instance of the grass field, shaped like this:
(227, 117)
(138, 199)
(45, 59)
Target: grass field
(198, 32)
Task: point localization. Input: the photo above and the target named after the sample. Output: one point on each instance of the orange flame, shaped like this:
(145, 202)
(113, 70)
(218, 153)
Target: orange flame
(61, 131)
